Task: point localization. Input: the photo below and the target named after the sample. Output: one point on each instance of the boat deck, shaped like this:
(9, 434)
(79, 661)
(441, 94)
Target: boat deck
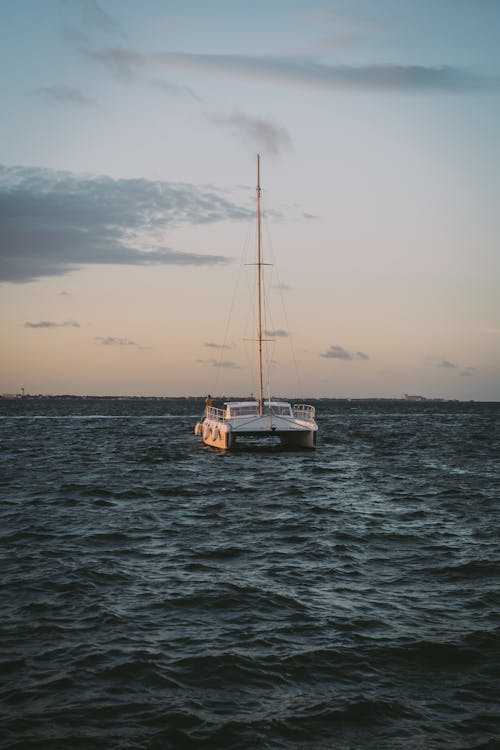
(244, 409)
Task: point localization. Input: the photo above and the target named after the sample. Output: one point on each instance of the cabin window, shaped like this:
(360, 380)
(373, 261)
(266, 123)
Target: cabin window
(281, 410)
(243, 411)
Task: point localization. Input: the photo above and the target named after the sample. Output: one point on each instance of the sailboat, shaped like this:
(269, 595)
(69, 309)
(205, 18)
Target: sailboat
(294, 425)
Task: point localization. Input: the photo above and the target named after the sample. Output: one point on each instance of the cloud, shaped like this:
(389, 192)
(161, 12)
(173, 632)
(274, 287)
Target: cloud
(463, 371)
(94, 17)
(50, 324)
(277, 333)
(74, 36)
(173, 89)
(122, 62)
(52, 223)
(213, 345)
(259, 133)
(114, 341)
(301, 71)
(65, 95)
(79, 29)
(338, 352)
(217, 363)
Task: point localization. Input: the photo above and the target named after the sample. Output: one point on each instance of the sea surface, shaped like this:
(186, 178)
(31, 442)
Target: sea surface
(155, 593)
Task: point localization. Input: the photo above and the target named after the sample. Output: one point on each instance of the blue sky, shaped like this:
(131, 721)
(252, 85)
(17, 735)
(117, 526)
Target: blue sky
(127, 170)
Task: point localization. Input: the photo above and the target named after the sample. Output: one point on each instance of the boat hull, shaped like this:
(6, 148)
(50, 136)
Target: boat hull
(225, 434)
(216, 434)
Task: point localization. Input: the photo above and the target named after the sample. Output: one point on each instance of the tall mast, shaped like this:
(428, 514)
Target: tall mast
(259, 288)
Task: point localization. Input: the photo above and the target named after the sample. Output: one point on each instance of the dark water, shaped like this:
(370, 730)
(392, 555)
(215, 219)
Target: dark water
(156, 594)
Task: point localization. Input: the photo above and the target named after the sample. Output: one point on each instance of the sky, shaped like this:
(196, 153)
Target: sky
(128, 140)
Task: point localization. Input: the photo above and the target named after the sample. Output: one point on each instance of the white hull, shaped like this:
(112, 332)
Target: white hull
(225, 428)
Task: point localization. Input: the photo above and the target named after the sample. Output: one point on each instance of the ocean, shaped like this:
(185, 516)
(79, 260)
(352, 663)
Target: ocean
(155, 593)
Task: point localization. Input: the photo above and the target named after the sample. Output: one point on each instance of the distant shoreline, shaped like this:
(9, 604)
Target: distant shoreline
(69, 397)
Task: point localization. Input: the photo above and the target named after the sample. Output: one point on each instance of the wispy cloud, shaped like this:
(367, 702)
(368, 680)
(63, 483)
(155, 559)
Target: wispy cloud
(217, 363)
(64, 95)
(114, 341)
(73, 36)
(260, 134)
(84, 20)
(277, 333)
(338, 352)
(302, 71)
(446, 364)
(56, 222)
(172, 89)
(122, 62)
(213, 345)
(95, 18)
(51, 324)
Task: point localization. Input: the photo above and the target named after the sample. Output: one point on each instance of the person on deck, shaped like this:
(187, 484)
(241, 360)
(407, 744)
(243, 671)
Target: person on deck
(208, 402)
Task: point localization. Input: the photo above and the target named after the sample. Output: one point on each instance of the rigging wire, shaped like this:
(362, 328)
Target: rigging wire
(280, 287)
(270, 343)
(224, 346)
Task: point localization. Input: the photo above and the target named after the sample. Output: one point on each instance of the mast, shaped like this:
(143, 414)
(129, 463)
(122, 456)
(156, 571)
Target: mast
(259, 288)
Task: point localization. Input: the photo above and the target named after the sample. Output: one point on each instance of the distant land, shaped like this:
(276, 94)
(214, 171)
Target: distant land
(69, 396)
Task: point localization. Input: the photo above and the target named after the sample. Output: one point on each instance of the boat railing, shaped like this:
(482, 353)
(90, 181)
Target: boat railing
(213, 412)
(304, 411)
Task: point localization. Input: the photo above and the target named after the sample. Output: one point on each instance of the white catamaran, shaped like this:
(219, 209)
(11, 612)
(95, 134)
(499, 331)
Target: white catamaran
(295, 425)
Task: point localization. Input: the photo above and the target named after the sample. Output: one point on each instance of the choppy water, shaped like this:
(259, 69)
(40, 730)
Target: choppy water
(156, 594)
